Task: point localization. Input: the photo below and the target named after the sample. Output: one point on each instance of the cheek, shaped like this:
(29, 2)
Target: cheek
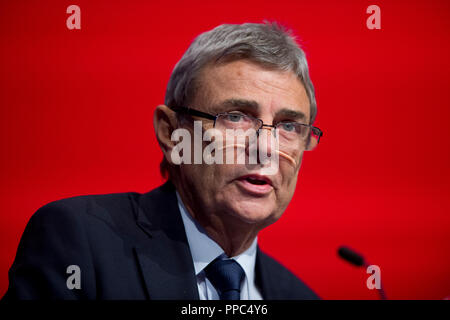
(289, 185)
(289, 175)
(198, 177)
(208, 179)
(289, 170)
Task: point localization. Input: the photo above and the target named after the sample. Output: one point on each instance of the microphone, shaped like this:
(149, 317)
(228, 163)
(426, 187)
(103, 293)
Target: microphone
(356, 259)
(351, 256)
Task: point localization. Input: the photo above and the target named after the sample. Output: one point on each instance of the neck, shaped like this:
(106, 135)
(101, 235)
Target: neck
(232, 237)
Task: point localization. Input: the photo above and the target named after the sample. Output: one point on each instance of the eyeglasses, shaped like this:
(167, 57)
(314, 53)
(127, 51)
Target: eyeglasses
(288, 132)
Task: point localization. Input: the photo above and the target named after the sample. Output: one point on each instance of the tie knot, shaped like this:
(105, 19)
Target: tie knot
(226, 276)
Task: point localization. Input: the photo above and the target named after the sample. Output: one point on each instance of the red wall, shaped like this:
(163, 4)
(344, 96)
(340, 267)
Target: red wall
(76, 118)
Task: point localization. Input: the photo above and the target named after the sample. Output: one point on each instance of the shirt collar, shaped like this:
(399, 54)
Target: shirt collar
(204, 249)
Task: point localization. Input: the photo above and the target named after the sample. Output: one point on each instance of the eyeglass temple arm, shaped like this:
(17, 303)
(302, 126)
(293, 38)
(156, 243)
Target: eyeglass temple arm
(318, 132)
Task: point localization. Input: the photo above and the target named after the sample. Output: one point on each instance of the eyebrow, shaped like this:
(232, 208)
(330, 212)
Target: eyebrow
(252, 104)
(239, 103)
(295, 115)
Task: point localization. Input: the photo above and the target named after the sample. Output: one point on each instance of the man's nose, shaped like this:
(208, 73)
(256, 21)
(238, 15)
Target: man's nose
(266, 139)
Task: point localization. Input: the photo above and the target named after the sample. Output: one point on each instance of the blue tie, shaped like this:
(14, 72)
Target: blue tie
(226, 276)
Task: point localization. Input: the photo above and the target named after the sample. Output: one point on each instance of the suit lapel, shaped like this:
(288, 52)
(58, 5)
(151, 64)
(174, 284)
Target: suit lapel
(164, 257)
(263, 279)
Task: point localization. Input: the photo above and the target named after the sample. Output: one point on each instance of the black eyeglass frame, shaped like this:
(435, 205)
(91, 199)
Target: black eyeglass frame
(201, 114)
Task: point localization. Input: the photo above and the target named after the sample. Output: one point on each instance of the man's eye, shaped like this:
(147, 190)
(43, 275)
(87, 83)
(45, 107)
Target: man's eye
(287, 126)
(234, 117)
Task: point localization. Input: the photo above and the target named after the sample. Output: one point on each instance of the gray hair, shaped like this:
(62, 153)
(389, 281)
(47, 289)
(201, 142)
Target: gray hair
(267, 44)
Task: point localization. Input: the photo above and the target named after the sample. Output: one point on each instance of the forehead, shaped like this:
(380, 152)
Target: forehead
(246, 80)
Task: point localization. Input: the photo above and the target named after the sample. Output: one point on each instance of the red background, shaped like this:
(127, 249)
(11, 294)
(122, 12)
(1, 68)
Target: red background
(76, 118)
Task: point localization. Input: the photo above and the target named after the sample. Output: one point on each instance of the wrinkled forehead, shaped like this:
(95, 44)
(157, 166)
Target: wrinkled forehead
(247, 84)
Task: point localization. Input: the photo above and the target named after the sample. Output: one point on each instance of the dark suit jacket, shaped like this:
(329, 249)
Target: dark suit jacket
(128, 246)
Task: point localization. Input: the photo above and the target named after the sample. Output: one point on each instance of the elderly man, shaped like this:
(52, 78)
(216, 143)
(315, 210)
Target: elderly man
(195, 237)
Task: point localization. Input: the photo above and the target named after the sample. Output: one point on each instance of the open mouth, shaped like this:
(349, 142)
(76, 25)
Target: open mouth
(256, 181)
(255, 185)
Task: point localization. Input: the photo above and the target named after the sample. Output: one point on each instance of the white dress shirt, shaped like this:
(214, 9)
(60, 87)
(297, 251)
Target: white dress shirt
(204, 250)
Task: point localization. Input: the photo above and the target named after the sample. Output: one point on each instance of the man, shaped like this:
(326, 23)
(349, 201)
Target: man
(195, 237)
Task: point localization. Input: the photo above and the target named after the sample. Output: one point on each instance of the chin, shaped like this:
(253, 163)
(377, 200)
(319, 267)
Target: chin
(254, 211)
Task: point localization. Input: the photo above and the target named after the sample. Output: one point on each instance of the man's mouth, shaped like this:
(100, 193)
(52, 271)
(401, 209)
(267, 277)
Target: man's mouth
(255, 184)
(256, 179)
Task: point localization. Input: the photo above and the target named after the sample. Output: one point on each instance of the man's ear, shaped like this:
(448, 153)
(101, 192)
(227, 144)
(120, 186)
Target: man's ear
(164, 122)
